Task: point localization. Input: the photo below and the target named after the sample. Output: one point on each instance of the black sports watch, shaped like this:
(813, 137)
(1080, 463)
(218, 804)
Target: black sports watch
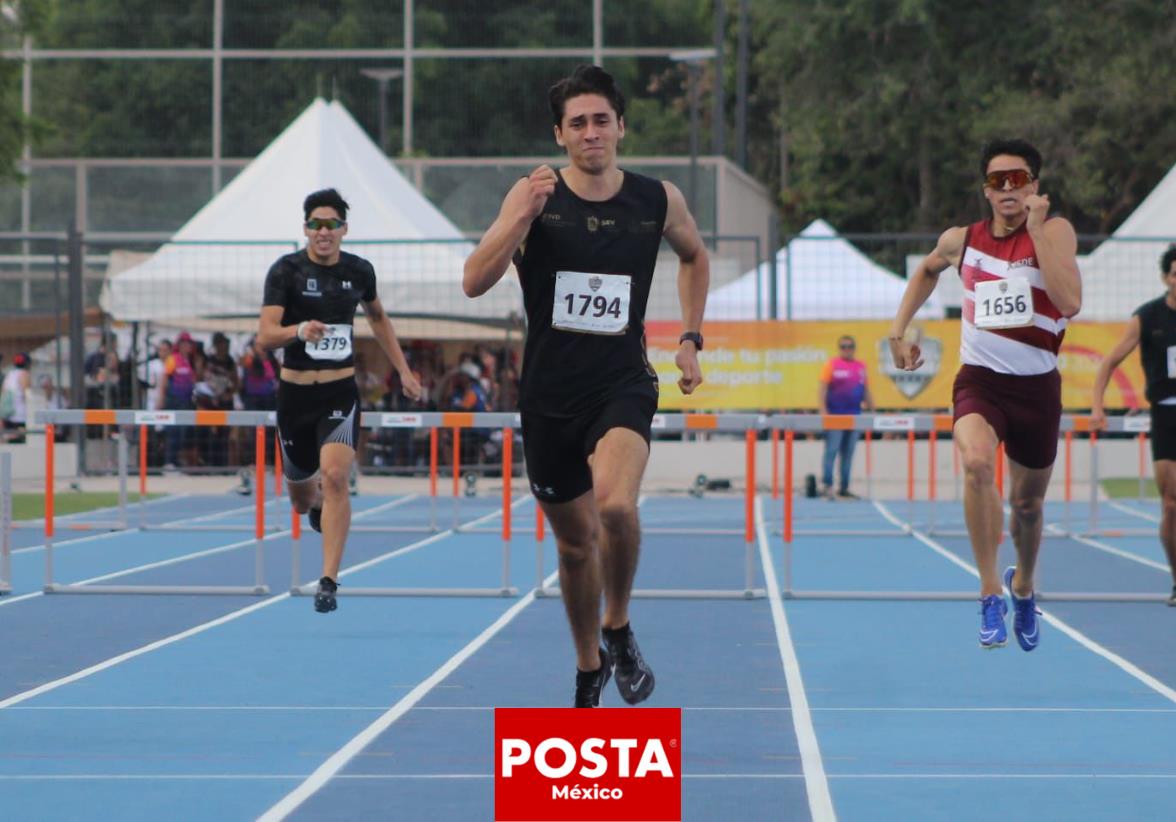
(692, 336)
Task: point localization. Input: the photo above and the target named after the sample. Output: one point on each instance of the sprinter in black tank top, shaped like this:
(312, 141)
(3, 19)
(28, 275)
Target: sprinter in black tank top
(309, 310)
(1153, 328)
(584, 241)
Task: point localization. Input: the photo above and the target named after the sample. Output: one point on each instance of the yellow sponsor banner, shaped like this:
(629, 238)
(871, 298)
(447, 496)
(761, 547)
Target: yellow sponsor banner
(769, 365)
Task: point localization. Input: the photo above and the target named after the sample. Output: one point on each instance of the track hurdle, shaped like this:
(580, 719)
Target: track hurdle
(1141, 426)
(792, 424)
(435, 421)
(746, 424)
(125, 418)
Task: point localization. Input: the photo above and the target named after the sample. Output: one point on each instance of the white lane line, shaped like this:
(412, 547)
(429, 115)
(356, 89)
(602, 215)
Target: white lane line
(466, 708)
(234, 777)
(340, 758)
(220, 549)
(1111, 549)
(136, 529)
(1074, 634)
(816, 785)
(1126, 509)
(198, 629)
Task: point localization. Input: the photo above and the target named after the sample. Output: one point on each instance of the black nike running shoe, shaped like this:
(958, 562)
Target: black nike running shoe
(634, 676)
(589, 684)
(315, 517)
(324, 597)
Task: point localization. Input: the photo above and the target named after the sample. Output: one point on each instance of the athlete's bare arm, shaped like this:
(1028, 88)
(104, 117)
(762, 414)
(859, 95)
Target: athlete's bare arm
(920, 286)
(386, 336)
(1126, 344)
(1056, 246)
(523, 203)
(681, 233)
(272, 334)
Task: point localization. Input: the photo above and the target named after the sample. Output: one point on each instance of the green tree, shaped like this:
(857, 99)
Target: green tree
(17, 21)
(872, 114)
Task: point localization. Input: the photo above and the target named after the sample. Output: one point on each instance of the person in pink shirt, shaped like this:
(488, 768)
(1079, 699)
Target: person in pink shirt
(843, 390)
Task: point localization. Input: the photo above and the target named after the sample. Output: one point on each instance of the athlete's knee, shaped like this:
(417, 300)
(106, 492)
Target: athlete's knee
(1168, 502)
(617, 515)
(575, 552)
(335, 479)
(979, 467)
(1027, 509)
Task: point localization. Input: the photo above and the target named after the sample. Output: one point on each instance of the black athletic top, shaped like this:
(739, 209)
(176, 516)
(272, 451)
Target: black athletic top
(327, 293)
(1157, 348)
(595, 347)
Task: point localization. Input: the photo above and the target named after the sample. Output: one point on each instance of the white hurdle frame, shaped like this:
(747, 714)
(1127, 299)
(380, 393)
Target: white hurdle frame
(433, 420)
(259, 419)
(931, 423)
(749, 425)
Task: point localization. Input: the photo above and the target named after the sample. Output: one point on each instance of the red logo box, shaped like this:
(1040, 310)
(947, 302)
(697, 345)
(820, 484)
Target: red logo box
(602, 764)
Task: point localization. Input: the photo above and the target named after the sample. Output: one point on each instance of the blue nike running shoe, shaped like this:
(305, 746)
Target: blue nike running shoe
(993, 633)
(1026, 626)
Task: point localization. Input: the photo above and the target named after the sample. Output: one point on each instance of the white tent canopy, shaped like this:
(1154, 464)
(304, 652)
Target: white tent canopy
(823, 277)
(215, 265)
(1124, 271)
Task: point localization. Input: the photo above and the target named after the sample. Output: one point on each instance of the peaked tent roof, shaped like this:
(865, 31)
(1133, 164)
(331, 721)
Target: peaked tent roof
(829, 279)
(1124, 271)
(215, 265)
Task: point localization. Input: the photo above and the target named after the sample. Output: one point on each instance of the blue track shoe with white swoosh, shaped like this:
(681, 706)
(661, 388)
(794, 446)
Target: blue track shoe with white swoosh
(634, 676)
(1026, 625)
(993, 633)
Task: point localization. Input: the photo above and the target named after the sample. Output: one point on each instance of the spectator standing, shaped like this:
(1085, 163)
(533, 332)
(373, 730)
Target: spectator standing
(843, 390)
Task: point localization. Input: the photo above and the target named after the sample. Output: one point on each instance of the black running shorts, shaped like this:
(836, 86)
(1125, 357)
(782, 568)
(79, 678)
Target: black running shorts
(309, 416)
(1163, 432)
(557, 448)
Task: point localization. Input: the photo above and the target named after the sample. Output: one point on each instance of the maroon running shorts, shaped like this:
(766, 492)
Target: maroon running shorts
(1024, 411)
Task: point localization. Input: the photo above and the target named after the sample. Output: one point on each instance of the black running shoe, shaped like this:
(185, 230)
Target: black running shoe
(315, 517)
(634, 676)
(589, 684)
(324, 597)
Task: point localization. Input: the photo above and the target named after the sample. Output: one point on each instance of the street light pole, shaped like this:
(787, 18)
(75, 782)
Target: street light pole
(382, 76)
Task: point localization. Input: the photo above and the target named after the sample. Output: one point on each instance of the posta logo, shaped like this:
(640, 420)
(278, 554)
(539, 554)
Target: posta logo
(602, 764)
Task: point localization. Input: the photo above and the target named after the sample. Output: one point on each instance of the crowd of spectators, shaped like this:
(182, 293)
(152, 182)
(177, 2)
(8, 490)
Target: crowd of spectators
(185, 373)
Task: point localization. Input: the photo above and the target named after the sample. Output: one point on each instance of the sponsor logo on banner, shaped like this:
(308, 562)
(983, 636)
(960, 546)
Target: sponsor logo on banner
(401, 420)
(658, 421)
(155, 418)
(605, 764)
(912, 383)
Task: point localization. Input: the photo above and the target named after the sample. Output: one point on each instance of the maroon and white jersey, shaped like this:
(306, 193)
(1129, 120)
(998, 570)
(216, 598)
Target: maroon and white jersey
(1002, 274)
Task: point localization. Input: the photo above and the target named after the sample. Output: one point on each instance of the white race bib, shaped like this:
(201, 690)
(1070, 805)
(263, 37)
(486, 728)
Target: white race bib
(335, 344)
(1006, 303)
(591, 303)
